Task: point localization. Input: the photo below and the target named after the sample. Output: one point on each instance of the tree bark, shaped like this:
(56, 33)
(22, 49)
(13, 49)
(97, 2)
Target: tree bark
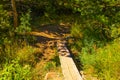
(15, 15)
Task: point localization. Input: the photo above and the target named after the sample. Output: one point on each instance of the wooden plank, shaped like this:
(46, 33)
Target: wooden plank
(68, 66)
(69, 69)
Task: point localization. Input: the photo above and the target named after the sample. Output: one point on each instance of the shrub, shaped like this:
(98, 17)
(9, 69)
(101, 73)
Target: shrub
(24, 24)
(27, 55)
(14, 71)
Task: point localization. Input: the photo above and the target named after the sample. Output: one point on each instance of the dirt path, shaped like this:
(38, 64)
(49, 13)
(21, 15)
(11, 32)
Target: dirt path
(47, 35)
(46, 38)
(46, 44)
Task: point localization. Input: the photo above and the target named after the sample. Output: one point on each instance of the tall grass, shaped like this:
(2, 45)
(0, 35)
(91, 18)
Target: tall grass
(100, 58)
(104, 62)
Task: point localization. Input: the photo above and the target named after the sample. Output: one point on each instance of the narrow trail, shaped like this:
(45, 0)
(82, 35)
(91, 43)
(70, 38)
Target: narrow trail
(46, 40)
(47, 36)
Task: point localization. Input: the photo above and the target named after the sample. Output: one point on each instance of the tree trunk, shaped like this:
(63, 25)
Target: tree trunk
(15, 15)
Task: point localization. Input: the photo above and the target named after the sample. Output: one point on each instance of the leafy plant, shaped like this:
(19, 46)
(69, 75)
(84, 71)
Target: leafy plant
(5, 28)
(14, 71)
(24, 24)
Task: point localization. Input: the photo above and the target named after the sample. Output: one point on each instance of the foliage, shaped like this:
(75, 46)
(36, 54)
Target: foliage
(14, 71)
(9, 40)
(50, 65)
(29, 55)
(104, 61)
(10, 44)
(6, 34)
(96, 31)
(24, 26)
(5, 28)
(97, 37)
(98, 17)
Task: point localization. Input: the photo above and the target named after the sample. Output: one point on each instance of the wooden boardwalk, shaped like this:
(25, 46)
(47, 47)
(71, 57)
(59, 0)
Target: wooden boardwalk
(68, 66)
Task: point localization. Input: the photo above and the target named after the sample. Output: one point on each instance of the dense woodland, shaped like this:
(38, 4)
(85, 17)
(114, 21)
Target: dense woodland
(95, 27)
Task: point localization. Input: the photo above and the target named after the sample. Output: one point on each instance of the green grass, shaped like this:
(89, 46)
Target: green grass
(99, 57)
(104, 62)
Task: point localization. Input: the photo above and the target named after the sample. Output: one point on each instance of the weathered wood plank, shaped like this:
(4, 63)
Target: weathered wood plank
(68, 66)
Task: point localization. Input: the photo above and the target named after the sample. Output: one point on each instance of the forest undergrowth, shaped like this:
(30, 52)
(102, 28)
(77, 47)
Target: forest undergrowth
(27, 29)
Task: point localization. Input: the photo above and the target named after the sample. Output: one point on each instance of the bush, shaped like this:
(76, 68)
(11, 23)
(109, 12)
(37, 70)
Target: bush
(27, 55)
(14, 71)
(24, 24)
(11, 39)
(11, 44)
(98, 33)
